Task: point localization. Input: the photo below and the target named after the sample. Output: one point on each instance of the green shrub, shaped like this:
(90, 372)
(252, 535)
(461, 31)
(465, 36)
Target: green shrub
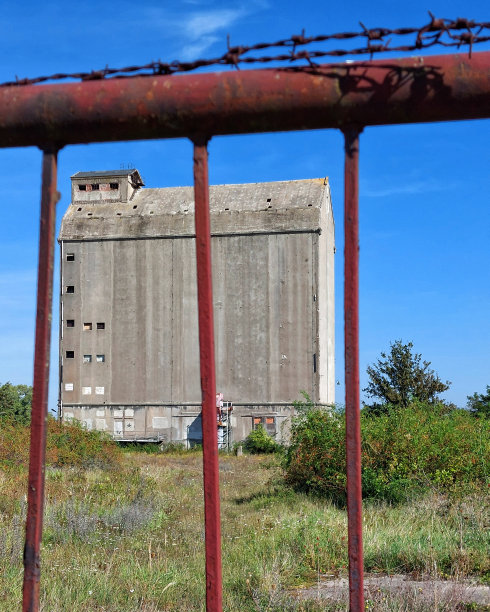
(404, 452)
(259, 441)
(67, 444)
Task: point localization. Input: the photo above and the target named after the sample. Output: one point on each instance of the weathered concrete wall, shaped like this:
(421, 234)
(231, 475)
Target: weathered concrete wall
(131, 267)
(178, 424)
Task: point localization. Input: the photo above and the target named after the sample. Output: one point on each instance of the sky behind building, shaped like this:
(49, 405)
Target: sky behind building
(424, 220)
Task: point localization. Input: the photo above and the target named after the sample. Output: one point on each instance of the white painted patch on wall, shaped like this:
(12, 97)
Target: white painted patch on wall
(129, 425)
(118, 414)
(160, 423)
(87, 423)
(86, 390)
(68, 386)
(100, 424)
(129, 412)
(118, 428)
(100, 413)
(99, 390)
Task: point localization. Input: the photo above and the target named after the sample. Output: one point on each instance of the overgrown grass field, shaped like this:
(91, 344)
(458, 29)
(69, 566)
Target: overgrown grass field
(127, 534)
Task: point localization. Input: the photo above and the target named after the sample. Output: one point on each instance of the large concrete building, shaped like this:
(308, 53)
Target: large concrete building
(129, 352)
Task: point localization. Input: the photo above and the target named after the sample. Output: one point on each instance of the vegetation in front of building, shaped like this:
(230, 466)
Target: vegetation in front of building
(131, 537)
(259, 441)
(67, 444)
(123, 530)
(406, 452)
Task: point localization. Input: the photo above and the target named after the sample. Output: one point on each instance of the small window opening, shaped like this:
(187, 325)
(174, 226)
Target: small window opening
(118, 214)
(70, 354)
(151, 212)
(310, 204)
(95, 186)
(135, 206)
(100, 326)
(87, 359)
(79, 209)
(87, 327)
(70, 257)
(70, 289)
(114, 185)
(90, 214)
(82, 187)
(70, 322)
(227, 209)
(269, 420)
(100, 358)
(269, 199)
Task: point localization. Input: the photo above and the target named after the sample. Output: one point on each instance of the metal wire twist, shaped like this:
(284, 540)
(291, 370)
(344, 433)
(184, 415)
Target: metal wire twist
(438, 32)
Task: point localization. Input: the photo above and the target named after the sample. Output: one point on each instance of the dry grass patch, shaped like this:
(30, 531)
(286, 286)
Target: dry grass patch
(132, 537)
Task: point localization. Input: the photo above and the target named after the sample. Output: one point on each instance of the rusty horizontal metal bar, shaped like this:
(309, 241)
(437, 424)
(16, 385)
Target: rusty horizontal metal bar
(409, 90)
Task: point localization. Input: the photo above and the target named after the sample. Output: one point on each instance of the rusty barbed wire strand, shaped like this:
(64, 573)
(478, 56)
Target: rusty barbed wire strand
(438, 32)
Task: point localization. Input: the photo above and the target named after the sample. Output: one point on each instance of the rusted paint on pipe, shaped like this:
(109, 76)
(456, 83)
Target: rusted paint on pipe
(208, 379)
(408, 90)
(352, 393)
(35, 495)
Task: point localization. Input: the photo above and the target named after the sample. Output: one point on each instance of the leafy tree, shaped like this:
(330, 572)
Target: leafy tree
(15, 402)
(400, 377)
(479, 403)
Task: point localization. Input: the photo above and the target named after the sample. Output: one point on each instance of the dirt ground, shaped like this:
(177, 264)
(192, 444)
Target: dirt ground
(434, 593)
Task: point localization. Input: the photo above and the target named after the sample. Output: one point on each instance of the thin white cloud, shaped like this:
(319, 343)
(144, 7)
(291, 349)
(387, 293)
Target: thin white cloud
(196, 29)
(197, 48)
(410, 188)
(203, 23)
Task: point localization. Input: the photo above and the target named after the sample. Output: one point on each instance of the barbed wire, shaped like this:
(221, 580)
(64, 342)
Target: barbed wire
(438, 32)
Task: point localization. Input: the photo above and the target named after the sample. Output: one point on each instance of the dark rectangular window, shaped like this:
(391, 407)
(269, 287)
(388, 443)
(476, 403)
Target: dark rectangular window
(87, 327)
(70, 322)
(70, 289)
(82, 187)
(95, 186)
(100, 325)
(70, 354)
(100, 358)
(70, 257)
(114, 185)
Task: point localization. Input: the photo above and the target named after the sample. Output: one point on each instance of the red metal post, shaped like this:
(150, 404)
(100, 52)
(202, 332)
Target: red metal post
(208, 379)
(352, 396)
(35, 495)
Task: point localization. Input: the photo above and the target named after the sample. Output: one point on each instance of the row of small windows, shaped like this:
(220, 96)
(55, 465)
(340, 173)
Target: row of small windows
(98, 186)
(86, 326)
(86, 390)
(86, 358)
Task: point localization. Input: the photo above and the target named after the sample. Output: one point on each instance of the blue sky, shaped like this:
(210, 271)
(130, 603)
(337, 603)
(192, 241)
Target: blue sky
(424, 204)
